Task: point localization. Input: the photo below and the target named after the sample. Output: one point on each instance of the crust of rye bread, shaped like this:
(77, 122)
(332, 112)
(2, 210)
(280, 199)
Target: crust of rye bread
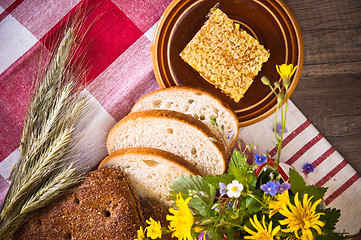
(102, 206)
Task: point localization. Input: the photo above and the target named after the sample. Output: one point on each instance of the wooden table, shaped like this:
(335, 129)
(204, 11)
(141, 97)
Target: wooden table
(329, 90)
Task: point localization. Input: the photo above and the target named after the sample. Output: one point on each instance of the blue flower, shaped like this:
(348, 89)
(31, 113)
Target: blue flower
(215, 207)
(260, 159)
(269, 188)
(223, 188)
(281, 188)
(279, 129)
(203, 194)
(308, 168)
(213, 139)
(230, 135)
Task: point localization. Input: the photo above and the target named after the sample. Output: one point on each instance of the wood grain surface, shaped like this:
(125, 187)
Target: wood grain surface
(329, 90)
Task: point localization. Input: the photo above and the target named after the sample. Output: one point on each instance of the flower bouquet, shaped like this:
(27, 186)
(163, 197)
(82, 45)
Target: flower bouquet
(250, 201)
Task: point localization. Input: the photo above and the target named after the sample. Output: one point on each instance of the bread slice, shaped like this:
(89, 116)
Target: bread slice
(170, 131)
(197, 103)
(150, 170)
(103, 206)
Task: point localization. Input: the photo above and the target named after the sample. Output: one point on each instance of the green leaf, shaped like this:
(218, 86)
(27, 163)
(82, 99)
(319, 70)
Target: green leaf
(186, 184)
(237, 174)
(297, 182)
(329, 236)
(200, 205)
(265, 176)
(212, 190)
(241, 170)
(238, 160)
(251, 180)
(331, 218)
(214, 122)
(252, 204)
(210, 234)
(230, 233)
(317, 192)
(214, 180)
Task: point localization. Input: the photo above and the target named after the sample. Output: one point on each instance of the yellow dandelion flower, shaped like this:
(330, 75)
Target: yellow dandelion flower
(198, 229)
(263, 233)
(182, 219)
(154, 230)
(140, 233)
(280, 201)
(302, 216)
(286, 70)
(291, 238)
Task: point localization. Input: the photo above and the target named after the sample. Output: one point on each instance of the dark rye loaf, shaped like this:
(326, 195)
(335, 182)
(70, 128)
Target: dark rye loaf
(103, 206)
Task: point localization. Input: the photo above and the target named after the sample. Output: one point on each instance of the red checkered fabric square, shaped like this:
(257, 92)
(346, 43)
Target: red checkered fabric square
(15, 86)
(143, 13)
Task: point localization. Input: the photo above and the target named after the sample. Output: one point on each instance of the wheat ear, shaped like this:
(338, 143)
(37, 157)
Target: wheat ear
(44, 171)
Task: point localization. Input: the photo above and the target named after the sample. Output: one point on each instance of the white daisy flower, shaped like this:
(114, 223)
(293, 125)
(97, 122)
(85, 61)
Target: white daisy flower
(234, 189)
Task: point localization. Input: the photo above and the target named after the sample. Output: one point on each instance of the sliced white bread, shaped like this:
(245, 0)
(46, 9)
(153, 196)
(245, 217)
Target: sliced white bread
(170, 131)
(149, 170)
(197, 103)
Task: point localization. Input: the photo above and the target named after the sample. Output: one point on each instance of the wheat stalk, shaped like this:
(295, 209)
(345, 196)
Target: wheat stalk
(52, 189)
(44, 172)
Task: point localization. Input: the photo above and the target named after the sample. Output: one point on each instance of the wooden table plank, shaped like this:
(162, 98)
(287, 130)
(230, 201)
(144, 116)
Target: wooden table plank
(329, 91)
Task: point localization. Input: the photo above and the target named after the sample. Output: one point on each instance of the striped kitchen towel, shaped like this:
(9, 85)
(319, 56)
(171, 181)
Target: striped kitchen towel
(121, 72)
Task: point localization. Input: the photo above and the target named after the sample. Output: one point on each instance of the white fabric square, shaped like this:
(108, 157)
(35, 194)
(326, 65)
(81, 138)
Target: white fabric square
(15, 40)
(150, 33)
(8, 163)
(92, 131)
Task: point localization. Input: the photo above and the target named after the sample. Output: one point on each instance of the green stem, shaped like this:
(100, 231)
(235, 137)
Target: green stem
(223, 223)
(275, 126)
(255, 198)
(283, 124)
(272, 89)
(279, 139)
(285, 116)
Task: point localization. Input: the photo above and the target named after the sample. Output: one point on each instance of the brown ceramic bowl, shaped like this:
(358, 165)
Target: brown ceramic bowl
(269, 21)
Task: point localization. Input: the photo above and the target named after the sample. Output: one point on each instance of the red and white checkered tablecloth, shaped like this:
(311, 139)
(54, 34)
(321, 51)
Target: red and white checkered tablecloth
(121, 72)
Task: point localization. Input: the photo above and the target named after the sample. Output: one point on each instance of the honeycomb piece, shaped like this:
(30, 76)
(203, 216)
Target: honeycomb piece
(225, 55)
